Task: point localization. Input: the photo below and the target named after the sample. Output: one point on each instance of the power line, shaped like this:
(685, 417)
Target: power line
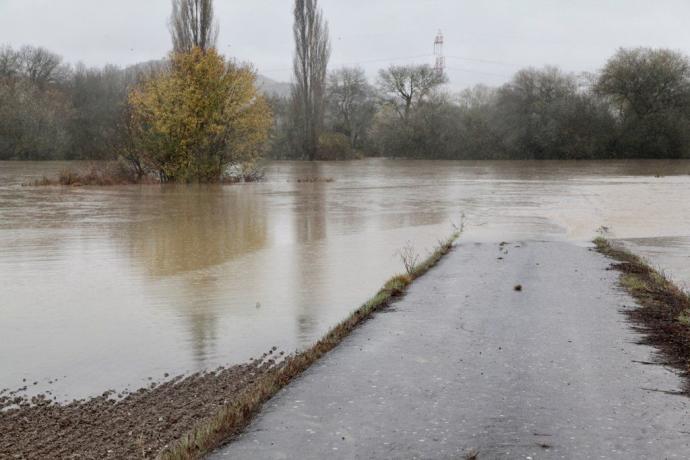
(369, 61)
(419, 56)
(402, 58)
(508, 64)
(485, 61)
(458, 69)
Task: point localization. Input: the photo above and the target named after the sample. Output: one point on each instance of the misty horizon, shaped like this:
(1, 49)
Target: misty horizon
(485, 43)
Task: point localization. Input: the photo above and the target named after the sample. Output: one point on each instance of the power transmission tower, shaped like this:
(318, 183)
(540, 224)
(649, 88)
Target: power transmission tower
(438, 53)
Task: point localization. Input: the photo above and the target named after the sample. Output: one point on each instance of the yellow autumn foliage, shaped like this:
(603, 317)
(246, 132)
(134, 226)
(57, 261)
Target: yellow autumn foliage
(201, 116)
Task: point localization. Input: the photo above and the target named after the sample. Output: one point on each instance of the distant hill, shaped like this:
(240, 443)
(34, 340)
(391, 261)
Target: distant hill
(266, 85)
(272, 87)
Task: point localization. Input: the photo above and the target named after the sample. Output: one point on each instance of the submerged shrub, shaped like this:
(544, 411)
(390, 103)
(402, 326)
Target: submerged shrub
(203, 115)
(101, 173)
(334, 146)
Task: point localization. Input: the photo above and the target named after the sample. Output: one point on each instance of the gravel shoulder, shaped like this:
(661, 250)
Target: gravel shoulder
(467, 363)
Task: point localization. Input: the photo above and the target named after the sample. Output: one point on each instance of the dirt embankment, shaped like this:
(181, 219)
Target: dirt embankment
(139, 425)
(663, 315)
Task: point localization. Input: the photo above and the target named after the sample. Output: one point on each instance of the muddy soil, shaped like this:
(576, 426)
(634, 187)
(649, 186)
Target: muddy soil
(134, 425)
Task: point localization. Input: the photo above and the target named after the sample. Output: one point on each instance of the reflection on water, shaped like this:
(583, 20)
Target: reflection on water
(104, 287)
(183, 229)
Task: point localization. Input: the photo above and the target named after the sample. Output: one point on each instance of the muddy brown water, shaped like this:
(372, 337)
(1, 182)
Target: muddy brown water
(105, 288)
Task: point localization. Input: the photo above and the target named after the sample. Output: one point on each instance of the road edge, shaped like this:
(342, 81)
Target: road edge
(231, 420)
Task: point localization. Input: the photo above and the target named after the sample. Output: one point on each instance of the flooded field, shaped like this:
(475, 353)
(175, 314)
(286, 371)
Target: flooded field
(105, 287)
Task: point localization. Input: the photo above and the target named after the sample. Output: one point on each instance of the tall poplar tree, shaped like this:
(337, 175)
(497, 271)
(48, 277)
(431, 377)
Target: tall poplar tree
(312, 52)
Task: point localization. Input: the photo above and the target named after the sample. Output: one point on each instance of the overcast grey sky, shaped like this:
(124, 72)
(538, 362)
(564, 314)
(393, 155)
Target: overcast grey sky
(486, 40)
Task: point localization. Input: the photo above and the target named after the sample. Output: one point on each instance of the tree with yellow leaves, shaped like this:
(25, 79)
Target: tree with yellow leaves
(193, 121)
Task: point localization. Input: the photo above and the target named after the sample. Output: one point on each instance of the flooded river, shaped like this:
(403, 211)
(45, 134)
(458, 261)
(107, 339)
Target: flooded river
(105, 287)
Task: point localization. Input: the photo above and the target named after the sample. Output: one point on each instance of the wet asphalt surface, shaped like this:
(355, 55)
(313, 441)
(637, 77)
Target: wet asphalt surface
(465, 363)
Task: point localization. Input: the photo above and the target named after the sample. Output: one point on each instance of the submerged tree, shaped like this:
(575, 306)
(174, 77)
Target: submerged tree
(351, 103)
(402, 128)
(544, 114)
(192, 25)
(99, 99)
(202, 116)
(312, 52)
(651, 91)
(403, 87)
(34, 106)
(643, 81)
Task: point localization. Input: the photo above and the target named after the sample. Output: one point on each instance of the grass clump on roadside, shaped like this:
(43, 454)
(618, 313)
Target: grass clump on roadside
(663, 315)
(233, 417)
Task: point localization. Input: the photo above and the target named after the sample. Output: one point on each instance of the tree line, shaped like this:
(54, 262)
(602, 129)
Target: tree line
(196, 113)
(637, 106)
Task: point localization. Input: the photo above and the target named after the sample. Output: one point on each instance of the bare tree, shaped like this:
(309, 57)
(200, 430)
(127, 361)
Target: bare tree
(405, 86)
(350, 102)
(192, 25)
(9, 62)
(312, 52)
(41, 66)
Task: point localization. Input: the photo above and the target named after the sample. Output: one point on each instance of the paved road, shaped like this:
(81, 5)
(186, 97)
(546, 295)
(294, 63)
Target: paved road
(465, 362)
